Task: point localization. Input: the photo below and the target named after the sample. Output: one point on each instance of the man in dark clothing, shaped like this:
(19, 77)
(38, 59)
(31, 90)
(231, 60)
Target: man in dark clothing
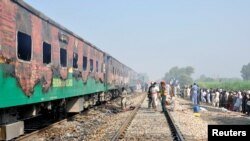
(248, 103)
(150, 99)
(230, 102)
(244, 102)
(224, 99)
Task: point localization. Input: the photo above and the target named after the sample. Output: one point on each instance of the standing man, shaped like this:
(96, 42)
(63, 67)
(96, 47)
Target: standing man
(163, 93)
(194, 93)
(150, 95)
(188, 91)
(248, 103)
(154, 92)
(124, 98)
(216, 101)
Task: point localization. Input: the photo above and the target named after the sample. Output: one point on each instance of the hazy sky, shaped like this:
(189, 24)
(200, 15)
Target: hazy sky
(152, 36)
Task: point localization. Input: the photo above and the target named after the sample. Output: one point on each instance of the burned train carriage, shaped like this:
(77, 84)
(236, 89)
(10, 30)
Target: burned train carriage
(44, 65)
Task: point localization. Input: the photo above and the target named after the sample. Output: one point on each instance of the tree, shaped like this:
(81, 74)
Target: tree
(183, 75)
(245, 72)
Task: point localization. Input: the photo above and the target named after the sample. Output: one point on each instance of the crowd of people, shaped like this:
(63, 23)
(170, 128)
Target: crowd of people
(163, 93)
(238, 101)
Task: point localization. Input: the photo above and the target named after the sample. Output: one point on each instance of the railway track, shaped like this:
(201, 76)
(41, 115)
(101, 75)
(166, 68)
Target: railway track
(162, 121)
(120, 133)
(41, 125)
(174, 132)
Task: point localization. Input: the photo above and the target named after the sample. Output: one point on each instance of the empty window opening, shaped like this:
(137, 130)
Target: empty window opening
(46, 53)
(97, 66)
(24, 46)
(63, 57)
(91, 65)
(85, 63)
(75, 59)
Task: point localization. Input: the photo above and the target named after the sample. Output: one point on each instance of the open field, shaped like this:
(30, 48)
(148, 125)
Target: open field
(228, 85)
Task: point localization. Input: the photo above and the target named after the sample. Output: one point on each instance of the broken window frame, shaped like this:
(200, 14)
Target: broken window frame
(50, 53)
(75, 65)
(24, 51)
(97, 66)
(91, 64)
(84, 63)
(64, 65)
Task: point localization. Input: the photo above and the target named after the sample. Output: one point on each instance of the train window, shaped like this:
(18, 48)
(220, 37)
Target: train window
(91, 65)
(63, 57)
(75, 59)
(24, 46)
(97, 66)
(85, 63)
(46, 53)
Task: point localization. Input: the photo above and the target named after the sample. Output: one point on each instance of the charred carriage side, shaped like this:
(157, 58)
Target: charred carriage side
(44, 66)
(117, 76)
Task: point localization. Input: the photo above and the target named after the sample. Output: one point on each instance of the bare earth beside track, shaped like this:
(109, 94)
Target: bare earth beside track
(195, 128)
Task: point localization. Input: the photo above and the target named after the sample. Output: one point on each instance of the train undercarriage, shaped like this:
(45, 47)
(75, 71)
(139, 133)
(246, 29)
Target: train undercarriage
(12, 119)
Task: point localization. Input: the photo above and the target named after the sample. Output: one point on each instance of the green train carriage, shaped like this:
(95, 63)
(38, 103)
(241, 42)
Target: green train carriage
(45, 66)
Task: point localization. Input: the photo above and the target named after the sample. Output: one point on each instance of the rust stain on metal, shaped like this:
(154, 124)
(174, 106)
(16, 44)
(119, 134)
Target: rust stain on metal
(26, 77)
(46, 78)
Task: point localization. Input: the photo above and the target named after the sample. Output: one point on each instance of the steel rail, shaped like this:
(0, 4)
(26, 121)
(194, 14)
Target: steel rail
(177, 136)
(120, 133)
(176, 133)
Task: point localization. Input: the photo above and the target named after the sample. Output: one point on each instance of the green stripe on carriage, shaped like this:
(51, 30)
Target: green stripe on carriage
(11, 93)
